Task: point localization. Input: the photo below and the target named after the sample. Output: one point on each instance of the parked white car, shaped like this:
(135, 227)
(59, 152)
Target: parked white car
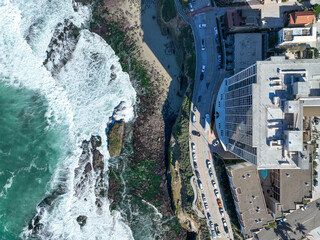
(215, 143)
(191, 7)
(200, 185)
(202, 25)
(210, 173)
(193, 147)
(216, 193)
(221, 212)
(204, 197)
(206, 206)
(208, 163)
(216, 30)
(214, 184)
(193, 118)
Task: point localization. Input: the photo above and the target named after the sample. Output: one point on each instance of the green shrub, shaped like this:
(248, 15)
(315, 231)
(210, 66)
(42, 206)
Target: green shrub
(168, 10)
(316, 10)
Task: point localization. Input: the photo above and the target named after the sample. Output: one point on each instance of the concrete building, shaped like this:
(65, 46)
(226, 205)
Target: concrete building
(285, 189)
(247, 50)
(244, 20)
(306, 36)
(260, 112)
(248, 198)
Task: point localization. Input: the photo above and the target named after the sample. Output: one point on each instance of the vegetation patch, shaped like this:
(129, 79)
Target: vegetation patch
(115, 136)
(144, 180)
(185, 3)
(316, 10)
(114, 187)
(180, 154)
(180, 170)
(187, 42)
(168, 10)
(272, 225)
(114, 31)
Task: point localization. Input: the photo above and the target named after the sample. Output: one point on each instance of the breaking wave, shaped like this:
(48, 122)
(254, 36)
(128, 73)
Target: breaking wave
(45, 47)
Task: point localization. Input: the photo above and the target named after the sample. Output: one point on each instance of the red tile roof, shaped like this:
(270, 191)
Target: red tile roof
(301, 18)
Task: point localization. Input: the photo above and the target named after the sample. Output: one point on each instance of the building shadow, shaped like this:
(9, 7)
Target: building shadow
(157, 38)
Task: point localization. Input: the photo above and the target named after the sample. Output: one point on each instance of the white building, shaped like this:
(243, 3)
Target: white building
(298, 36)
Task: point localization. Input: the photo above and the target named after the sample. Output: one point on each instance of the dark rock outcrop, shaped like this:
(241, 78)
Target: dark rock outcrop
(61, 47)
(82, 220)
(97, 160)
(90, 168)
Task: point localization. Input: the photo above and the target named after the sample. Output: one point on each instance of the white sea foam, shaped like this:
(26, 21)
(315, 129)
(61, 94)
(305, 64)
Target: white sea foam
(81, 96)
(8, 185)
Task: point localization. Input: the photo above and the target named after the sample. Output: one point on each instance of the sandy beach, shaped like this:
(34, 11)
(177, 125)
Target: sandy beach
(152, 45)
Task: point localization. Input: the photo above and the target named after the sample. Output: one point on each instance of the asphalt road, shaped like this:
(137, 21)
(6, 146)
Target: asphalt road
(203, 98)
(298, 224)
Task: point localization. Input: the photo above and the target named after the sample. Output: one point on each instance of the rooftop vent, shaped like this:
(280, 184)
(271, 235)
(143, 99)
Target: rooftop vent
(248, 175)
(243, 176)
(287, 174)
(253, 197)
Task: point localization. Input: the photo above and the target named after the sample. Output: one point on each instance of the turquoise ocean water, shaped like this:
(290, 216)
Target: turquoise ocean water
(55, 92)
(28, 155)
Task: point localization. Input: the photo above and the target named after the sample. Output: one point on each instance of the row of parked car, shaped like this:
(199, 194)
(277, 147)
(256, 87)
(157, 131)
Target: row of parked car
(219, 50)
(213, 227)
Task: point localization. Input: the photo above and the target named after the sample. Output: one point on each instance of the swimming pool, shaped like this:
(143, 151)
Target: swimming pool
(264, 173)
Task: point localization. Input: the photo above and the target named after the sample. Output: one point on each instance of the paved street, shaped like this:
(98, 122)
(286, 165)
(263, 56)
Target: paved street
(203, 99)
(298, 224)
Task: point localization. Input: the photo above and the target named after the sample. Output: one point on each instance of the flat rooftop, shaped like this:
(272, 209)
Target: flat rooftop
(248, 197)
(289, 33)
(247, 50)
(295, 185)
(277, 116)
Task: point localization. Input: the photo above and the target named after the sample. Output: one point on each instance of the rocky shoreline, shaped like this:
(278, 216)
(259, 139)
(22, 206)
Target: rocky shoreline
(146, 163)
(146, 170)
(90, 163)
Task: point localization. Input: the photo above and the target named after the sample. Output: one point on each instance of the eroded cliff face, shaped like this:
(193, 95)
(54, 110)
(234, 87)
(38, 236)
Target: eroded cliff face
(144, 174)
(181, 35)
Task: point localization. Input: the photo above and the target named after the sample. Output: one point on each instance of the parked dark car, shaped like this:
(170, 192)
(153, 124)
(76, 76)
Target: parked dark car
(201, 76)
(196, 133)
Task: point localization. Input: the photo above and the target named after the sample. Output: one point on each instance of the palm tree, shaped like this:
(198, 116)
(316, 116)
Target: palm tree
(301, 228)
